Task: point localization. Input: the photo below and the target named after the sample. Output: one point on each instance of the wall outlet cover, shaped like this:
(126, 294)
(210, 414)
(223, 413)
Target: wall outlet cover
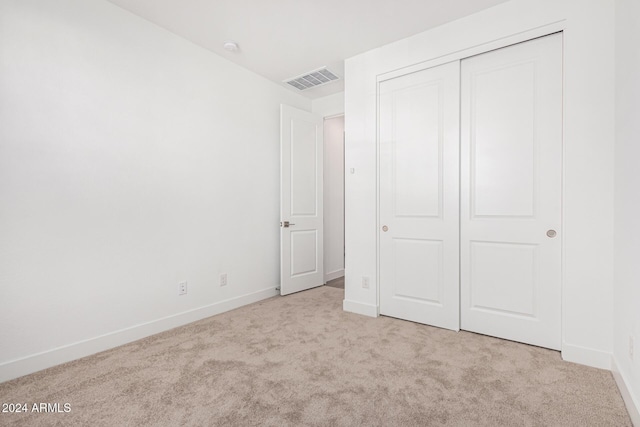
(182, 288)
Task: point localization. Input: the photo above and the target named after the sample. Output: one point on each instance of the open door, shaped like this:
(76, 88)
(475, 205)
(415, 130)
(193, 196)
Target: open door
(301, 221)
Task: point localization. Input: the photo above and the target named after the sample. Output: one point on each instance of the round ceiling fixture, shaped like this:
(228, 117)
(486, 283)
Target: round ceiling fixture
(231, 46)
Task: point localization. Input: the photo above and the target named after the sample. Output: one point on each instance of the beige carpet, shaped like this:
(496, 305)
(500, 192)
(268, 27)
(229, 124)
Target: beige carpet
(336, 283)
(300, 360)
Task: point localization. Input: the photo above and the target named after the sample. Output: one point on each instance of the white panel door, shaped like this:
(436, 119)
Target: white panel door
(301, 229)
(419, 187)
(511, 178)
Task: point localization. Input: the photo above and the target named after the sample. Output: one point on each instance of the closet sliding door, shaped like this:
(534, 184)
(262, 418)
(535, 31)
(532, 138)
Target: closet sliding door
(470, 170)
(419, 187)
(511, 182)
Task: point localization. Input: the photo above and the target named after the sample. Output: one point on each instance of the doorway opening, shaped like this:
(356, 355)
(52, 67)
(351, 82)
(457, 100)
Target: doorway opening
(334, 201)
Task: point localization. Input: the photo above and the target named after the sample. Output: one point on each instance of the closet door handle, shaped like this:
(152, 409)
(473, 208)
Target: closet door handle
(551, 233)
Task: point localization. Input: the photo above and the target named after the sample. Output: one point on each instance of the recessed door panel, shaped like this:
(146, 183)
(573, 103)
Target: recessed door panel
(304, 252)
(504, 278)
(511, 181)
(419, 184)
(303, 170)
(417, 270)
(416, 159)
(503, 144)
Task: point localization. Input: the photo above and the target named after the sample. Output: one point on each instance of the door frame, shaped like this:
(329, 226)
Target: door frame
(557, 27)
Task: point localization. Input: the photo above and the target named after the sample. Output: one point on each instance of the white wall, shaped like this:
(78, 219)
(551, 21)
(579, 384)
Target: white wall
(331, 105)
(627, 204)
(130, 160)
(334, 198)
(588, 154)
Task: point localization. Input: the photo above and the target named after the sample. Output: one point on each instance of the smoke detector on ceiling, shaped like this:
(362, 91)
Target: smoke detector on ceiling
(231, 46)
(314, 78)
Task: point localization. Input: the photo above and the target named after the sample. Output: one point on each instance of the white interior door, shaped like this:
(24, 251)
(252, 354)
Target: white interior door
(511, 154)
(419, 187)
(301, 228)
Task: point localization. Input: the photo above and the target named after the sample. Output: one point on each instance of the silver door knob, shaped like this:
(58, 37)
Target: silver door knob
(551, 233)
(385, 228)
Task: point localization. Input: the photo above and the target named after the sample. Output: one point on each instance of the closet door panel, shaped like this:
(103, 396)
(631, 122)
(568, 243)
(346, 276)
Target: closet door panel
(419, 187)
(511, 182)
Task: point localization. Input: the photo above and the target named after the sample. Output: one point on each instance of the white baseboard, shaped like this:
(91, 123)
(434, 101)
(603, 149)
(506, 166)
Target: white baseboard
(360, 308)
(586, 356)
(333, 275)
(630, 400)
(37, 362)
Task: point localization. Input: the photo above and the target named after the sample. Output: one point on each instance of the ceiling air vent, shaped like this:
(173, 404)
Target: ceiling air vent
(315, 78)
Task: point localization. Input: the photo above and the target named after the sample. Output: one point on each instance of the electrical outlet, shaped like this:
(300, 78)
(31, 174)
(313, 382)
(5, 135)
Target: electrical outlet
(365, 282)
(223, 279)
(182, 288)
(631, 347)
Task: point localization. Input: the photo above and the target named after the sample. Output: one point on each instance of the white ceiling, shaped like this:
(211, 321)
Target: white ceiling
(280, 39)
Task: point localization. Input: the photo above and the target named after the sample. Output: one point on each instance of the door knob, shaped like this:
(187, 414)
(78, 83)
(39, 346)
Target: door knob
(551, 233)
(285, 224)
(385, 228)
